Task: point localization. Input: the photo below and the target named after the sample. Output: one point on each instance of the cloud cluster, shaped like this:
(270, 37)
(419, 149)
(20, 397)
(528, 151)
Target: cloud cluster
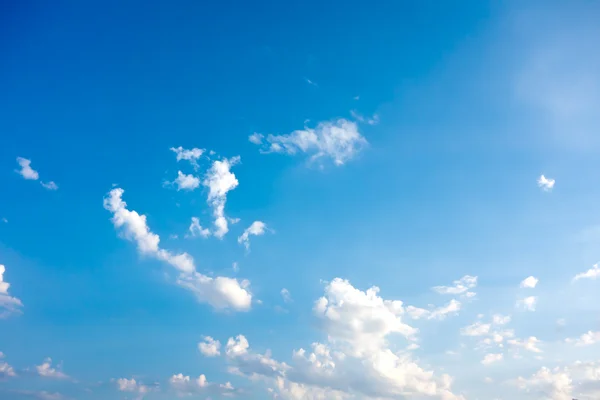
(220, 292)
(339, 140)
(8, 304)
(220, 180)
(27, 172)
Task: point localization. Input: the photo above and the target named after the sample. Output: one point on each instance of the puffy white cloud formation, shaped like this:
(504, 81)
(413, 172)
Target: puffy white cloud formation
(132, 386)
(26, 171)
(8, 304)
(6, 370)
(529, 344)
(186, 386)
(186, 182)
(220, 292)
(191, 155)
(257, 228)
(546, 184)
(592, 273)
(548, 384)
(339, 140)
(220, 180)
(209, 347)
(196, 229)
(492, 358)
(459, 286)
(586, 339)
(47, 371)
(355, 362)
(529, 282)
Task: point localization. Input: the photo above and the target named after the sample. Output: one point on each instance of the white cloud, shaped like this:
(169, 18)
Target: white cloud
(460, 286)
(185, 386)
(592, 273)
(437, 313)
(287, 297)
(476, 329)
(220, 180)
(257, 228)
(528, 303)
(197, 230)
(186, 182)
(545, 184)
(49, 185)
(132, 386)
(8, 304)
(220, 292)
(374, 120)
(46, 370)
(492, 358)
(26, 171)
(339, 140)
(529, 283)
(548, 384)
(6, 370)
(209, 347)
(191, 155)
(501, 319)
(586, 339)
(256, 138)
(529, 344)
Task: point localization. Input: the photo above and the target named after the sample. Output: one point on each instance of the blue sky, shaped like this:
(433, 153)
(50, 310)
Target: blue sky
(299, 200)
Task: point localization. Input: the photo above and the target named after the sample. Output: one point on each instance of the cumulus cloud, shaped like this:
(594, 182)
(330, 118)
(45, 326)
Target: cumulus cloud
(191, 155)
(6, 370)
(339, 140)
(26, 171)
(592, 273)
(528, 303)
(8, 304)
(459, 286)
(529, 344)
(186, 182)
(49, 185)
(47, 371)
(548, 384)
(545, 184)
(209, 347)
(257, 228)
(185, 386)
(529, 283)
(220, 292)
(492, 358)
(132, 386)
(285, 294)
(196, 229)
(586, 339)
(220, 180)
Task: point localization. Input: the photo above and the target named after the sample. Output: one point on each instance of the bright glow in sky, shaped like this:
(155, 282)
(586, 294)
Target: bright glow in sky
(310, 200)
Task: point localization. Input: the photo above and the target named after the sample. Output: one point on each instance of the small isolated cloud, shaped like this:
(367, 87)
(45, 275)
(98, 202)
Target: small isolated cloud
(592, 273)
(528, 303)
(374, 120)
(6, 370)
(285, 294)
(49, 185)
(529, 344)
(220, 292)
(256, 138)
(191, 155)
(8, 304)
(257, 228)
(220, 180)
(529, 283)
(586, 339)
(339, 140)
(186, 182)
(492, 358)
(132, 386)
(47, 371)
(545, 184)
(26, 171)
(209, 347)
(310, 82)
(459, 286)
(196, 229)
